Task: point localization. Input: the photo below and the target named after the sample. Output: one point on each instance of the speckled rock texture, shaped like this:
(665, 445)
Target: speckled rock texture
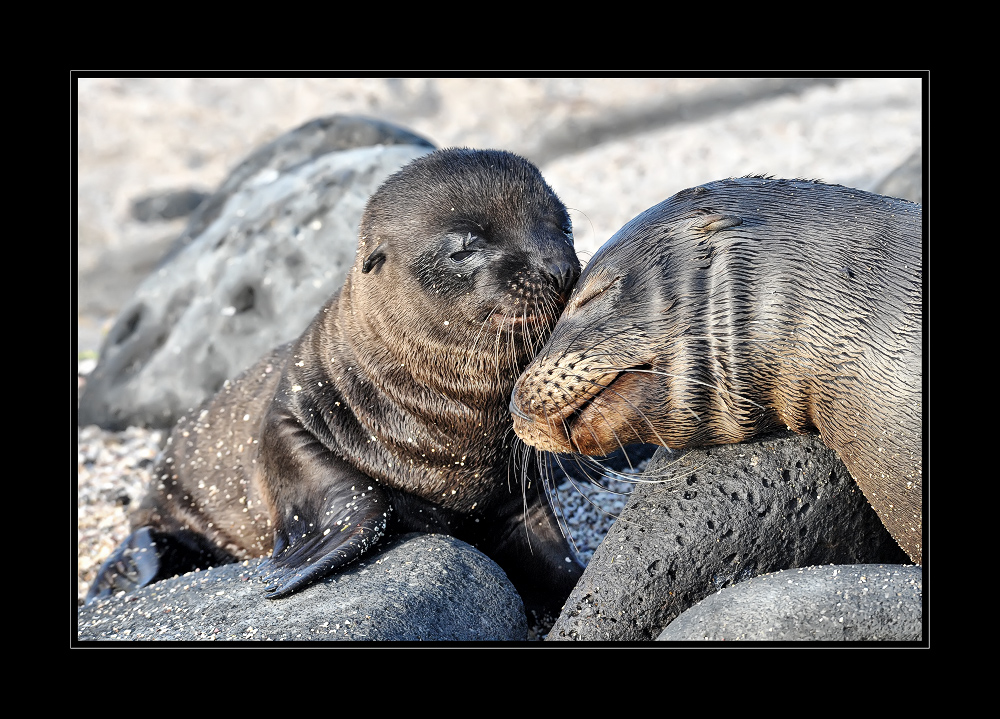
(416, 588)
(722, 515)
(851, 603)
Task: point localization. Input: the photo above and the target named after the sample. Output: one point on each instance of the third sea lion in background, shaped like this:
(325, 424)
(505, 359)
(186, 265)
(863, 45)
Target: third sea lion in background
(389, 413)
(743, 306)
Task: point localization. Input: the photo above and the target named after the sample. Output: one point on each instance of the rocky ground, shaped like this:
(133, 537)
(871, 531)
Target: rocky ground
(610, 148)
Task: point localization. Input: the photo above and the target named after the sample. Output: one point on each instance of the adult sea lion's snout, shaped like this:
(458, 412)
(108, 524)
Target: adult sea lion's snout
(585, 411)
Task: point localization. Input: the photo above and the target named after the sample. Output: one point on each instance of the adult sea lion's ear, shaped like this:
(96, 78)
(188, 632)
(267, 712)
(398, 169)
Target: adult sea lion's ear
(374, 259)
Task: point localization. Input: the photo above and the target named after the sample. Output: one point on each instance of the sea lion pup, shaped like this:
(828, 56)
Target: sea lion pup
(389, 413)
(740, 307)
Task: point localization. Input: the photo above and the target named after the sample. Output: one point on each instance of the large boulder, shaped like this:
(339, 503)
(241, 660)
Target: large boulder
(426, 587)
(854, 602)
(255, 263)
(720, 516)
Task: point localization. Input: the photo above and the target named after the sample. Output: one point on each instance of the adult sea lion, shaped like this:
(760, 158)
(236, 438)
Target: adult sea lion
(389, 413)
(739, 307)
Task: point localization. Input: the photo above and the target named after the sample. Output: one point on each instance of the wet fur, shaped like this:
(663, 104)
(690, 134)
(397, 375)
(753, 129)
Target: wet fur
(389, 413)
(740, 307)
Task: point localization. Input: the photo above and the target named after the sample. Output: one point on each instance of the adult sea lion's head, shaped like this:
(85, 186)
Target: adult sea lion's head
(600, 382)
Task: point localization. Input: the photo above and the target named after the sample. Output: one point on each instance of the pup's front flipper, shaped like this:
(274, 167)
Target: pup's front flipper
(322, 529)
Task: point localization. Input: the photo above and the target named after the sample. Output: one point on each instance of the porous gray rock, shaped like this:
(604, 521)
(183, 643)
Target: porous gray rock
(722, 515)
(866, 602)
(426, 587)
(256, 262)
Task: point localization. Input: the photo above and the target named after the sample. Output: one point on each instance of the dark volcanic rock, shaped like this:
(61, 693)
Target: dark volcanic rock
(428, 587)
(256, 262)
(727, 514)
(854, 602)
